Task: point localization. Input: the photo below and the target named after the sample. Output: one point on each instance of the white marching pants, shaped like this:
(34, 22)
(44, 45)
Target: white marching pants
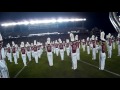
(3, 69)
(117, 42)
(5, 53)
(118, 50)
(78, 53)
(15, 58)
(36, 57)
(96, 49)
(33, 54)
(64, 48)
(50, 58)
(88, 49)
(91, 46)
(39, 53)
(62, 54)
(107, 47)
(74, 61)
(94, 54)
(109, 51)
(57, 51)
(54, 50)
(17, 52)
(24, 59)
(29, 55)
(83, 48)
(68, 51)
(102, 61)
(9, 55)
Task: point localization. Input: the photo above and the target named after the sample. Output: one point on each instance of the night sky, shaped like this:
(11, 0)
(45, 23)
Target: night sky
(94, 19)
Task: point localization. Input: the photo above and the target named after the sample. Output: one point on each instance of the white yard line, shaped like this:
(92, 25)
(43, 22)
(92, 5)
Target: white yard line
(98, 68)
(20, 71)
(81, 61)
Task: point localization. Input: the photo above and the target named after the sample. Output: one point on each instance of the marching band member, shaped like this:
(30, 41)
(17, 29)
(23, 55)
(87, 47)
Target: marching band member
(61, 48)
(113, 42)
(102, 52)
(78, 47)
(41, 49)
(56, 48)
(96, 41)
(88, 46)
(83, 45)
(109, 46)
(93, 48)
(38, 51)
(3, 66)
(14, 53)
(35, 52)
(67, 47)
(32, 49)
(49, 52)
(91, 44)
(28, 49)
(23, 53)
(79, 43)
(107, 41)
(9, 54)
(52, 43)
(119, 44)
(17, 51)
(5, 50)
(64, 45)
(73, 52)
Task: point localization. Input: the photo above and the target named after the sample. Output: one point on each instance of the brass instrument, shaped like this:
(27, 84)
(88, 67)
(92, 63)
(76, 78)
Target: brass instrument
(115, 21)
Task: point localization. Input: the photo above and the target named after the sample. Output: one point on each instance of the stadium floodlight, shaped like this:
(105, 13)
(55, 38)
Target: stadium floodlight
(32, 22)
(72, 20)
(53, 20)
(4, 24)
(60, 20)
(77, 19)
(8, 24)
(80, 19)
(84, 19)
(25, 22)
(66, 20)
(38, 21)
(20, 23)
(12, 24)
(46, 21)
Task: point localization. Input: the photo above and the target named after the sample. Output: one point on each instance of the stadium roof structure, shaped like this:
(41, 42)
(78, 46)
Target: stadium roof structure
(31, 22)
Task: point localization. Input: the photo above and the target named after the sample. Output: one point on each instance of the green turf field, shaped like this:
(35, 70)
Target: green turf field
(87, 68)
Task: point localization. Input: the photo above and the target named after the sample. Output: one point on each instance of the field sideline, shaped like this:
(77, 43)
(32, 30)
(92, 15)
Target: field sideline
(87, 68)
